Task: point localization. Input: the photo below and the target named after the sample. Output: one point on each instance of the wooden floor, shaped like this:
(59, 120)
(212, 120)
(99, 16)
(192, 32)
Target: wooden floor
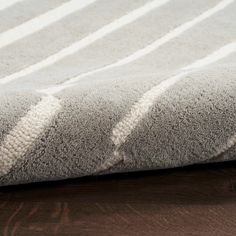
(199, 200)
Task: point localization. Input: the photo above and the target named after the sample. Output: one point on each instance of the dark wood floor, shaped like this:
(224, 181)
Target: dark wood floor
(199, 200)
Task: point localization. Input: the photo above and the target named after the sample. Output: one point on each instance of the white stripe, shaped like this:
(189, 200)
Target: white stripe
(229, 144)
(155, 45)
(102, 32)
(221, 53)
(142, 52)
(7, 3)
(41, 21)
(22, 137)
(124, 128)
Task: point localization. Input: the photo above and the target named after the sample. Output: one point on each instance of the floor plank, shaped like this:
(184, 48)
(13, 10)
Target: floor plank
(197, 200)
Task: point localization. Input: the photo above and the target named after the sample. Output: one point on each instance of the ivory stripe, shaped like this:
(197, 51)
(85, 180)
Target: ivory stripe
(8, 3)
(156, 44)
(100, 33)
(42, 21)
(229, 144)
(124, 128)
(23, 135)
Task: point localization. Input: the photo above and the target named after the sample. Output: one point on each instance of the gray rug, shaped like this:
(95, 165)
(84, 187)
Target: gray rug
(93, 87)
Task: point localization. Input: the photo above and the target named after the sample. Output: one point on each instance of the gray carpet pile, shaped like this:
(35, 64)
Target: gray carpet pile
(90, 87)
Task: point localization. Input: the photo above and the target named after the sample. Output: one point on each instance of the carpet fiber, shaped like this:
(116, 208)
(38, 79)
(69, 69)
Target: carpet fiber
(97, 86)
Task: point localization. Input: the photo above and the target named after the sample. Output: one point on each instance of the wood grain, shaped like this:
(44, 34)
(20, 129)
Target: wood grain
(197, 200)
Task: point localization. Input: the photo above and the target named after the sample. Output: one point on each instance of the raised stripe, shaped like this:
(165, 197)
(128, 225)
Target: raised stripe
(42, 21)
(8, 3)
(100, 33)
(220, 150)
(142, 52)
(156, 44)
(22, 137)
(137, 112)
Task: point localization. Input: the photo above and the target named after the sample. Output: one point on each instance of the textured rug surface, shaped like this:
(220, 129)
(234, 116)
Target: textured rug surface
(93, 87)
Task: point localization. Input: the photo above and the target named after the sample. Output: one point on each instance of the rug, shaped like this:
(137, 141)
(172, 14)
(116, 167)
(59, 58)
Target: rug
(91, 87)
